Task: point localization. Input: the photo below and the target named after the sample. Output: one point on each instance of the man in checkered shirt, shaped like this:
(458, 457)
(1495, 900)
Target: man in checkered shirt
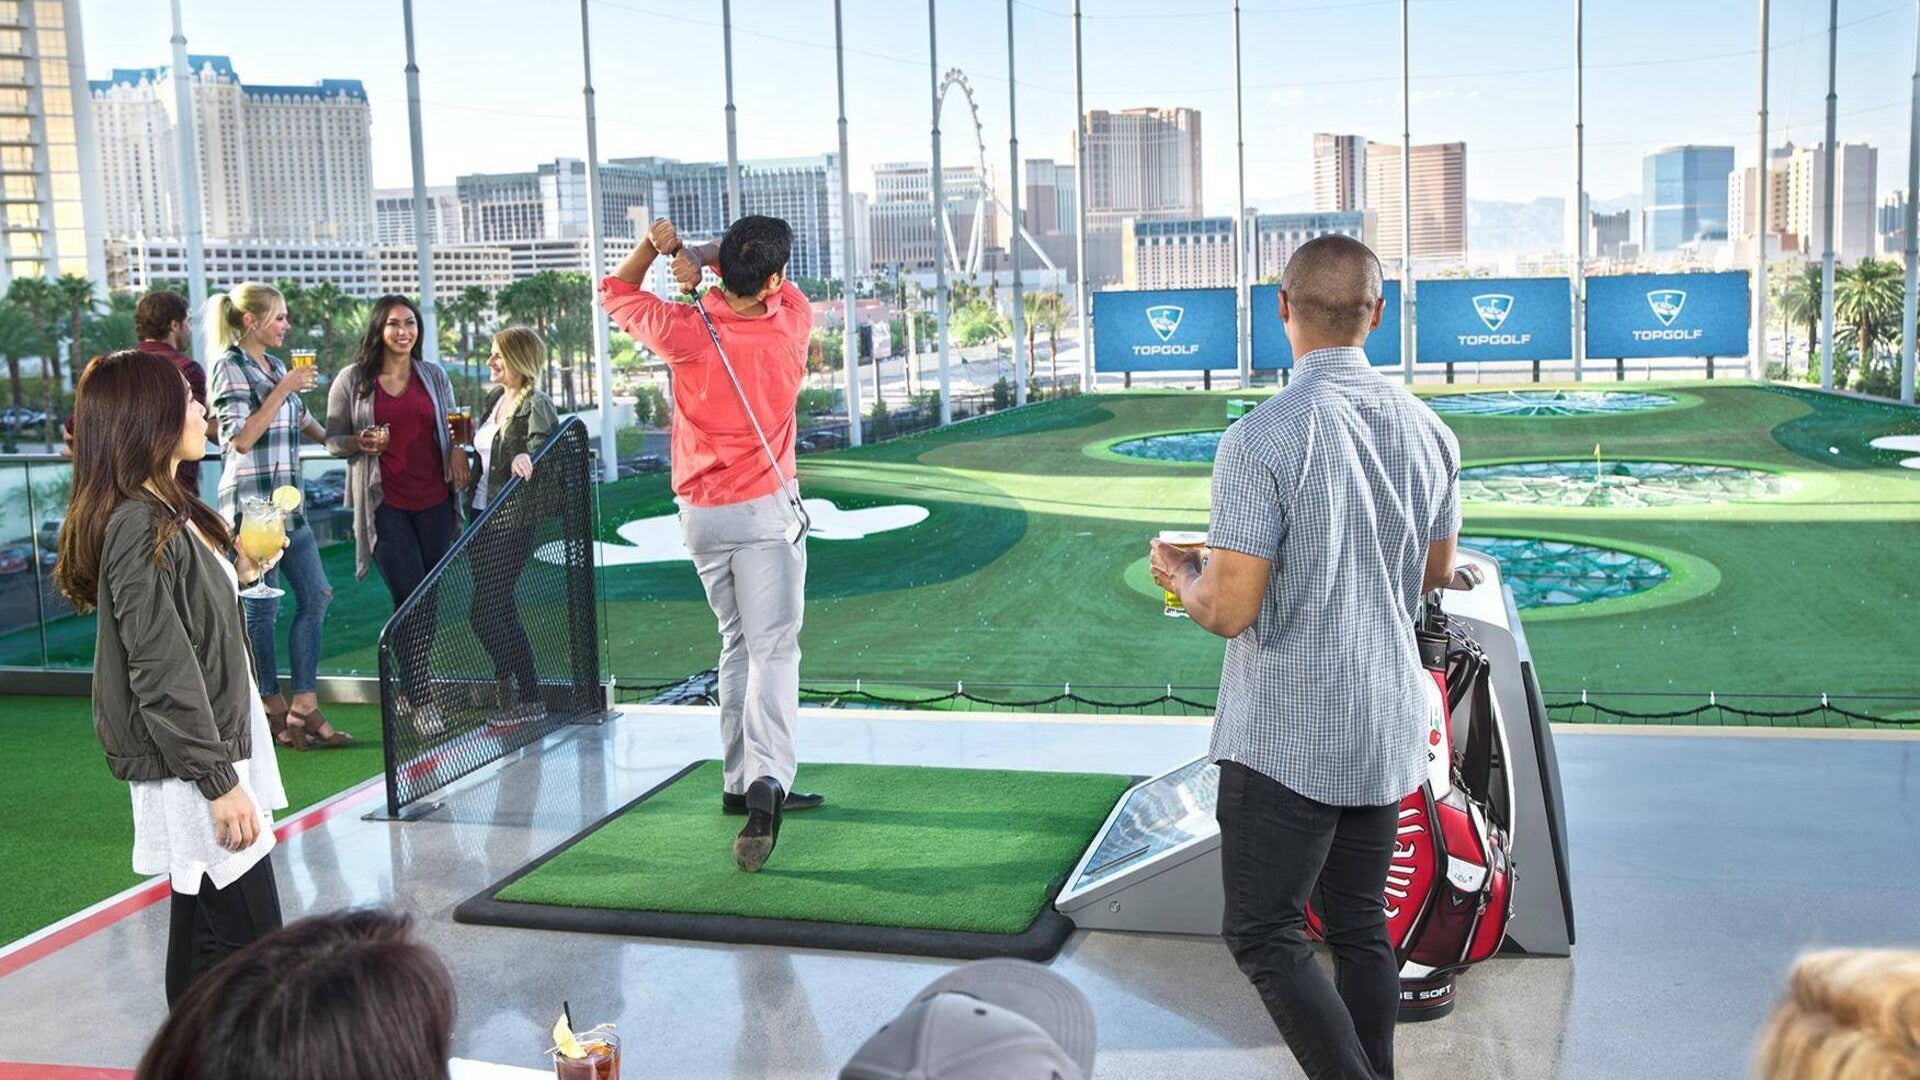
(1335, 509)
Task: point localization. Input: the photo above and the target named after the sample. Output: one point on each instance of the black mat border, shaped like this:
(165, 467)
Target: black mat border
(1040, 942)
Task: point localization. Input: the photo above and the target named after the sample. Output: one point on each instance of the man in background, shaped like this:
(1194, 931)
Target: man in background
(166, 330)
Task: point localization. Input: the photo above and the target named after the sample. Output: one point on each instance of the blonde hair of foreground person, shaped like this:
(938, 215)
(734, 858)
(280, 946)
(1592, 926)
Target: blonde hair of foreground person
(1849, 1014)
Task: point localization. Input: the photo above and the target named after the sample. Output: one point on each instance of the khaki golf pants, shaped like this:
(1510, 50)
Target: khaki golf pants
(756, 584)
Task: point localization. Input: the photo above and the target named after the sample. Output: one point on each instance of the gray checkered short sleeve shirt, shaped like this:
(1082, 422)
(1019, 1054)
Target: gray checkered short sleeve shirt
(1341, 480)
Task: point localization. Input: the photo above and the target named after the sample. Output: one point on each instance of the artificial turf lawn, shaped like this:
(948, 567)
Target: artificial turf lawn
(942, 849)
(66, 825)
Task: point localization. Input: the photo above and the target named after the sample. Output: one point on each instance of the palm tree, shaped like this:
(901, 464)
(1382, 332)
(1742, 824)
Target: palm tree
(80, 300)
(1867, 298)
(466, 312)
(112, 331)
(1797, 295)
(1043, 309)
(41, 299)
(19, 338)
(329, 307)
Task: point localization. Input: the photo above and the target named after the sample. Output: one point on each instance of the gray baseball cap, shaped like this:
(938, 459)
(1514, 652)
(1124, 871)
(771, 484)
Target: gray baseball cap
(988, 1020)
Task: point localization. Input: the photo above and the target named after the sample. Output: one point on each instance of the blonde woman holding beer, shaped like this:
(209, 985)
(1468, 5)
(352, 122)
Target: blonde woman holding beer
(256, 399)
(517, 421)
(387, 415)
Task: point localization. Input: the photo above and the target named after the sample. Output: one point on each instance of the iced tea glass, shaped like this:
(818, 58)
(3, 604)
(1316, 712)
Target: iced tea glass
(601, 1063)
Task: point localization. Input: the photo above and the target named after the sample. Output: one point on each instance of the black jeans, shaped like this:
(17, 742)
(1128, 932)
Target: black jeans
(1277, 849)
(407, 544)
(498, 554)
(213, 924)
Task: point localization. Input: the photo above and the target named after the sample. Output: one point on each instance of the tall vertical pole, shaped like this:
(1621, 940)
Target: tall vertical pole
(1910, 308)
(1080, 205)
(1020, 359)
(422, 234)
(1832, 155)
(597, 258)
(1757, 351)
(1242, 305)
(1406, 204)
(733, 137)
(1579, 190)
(938, 179)
(190, 182)
(850, 350)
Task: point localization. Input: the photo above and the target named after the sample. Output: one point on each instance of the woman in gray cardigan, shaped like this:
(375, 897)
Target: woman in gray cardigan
(386, 414)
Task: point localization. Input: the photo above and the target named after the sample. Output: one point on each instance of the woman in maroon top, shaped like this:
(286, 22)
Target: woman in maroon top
(386, 414)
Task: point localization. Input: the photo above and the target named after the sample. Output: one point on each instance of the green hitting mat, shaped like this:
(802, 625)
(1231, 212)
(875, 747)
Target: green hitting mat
(902, 859)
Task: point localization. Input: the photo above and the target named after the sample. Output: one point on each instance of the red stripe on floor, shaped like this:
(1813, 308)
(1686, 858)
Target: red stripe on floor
(146, 897)
(21, 1070)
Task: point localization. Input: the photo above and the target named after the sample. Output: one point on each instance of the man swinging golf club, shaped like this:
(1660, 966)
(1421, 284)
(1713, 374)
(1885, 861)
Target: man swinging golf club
(737, 358)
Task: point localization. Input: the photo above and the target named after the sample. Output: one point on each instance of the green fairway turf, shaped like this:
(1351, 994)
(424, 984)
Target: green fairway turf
(1803, 594)
(941, 849)
(66, 825)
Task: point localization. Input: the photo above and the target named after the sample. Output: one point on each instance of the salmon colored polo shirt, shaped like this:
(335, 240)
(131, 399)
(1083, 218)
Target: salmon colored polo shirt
(717, 459)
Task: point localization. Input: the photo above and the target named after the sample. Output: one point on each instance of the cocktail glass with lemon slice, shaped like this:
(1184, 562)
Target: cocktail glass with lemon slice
(591, 1055)
(263, 534)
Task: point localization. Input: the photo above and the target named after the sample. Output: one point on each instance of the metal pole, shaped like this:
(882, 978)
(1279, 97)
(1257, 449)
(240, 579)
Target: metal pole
(939, 217)
(1579, 190)
(596, 253)
(1080, 205)
(1757, 351)
(733, 140)
(1242, 304)
(190, 183)
(1406, 204)
(850, 351)
(1013, 232)
(422, 236)
(1832, 153)
(1910, 309)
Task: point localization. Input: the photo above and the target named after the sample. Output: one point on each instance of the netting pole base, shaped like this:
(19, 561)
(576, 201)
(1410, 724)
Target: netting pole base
(413, 811)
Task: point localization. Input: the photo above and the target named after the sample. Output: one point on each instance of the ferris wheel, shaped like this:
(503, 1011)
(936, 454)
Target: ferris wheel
(967, 261)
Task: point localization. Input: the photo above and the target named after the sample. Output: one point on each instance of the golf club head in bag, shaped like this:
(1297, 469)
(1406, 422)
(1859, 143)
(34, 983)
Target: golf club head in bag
(1449, 892)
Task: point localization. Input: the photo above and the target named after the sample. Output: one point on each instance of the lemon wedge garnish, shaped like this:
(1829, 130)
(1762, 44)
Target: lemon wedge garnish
(564, 1041)
(287, 498)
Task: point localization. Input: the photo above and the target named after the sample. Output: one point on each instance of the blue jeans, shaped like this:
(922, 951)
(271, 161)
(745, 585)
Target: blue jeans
(307, 580)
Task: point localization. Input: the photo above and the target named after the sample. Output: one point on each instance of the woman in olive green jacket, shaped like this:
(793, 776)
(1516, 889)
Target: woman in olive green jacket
(175, 704)
(516, 422)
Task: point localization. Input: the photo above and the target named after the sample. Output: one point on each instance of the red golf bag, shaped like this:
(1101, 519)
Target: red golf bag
(1449, 889)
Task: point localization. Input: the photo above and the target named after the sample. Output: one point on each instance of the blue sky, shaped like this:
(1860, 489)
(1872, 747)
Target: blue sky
(501, 80)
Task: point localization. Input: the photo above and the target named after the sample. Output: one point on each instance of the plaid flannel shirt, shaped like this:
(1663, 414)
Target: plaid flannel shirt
(236, 388)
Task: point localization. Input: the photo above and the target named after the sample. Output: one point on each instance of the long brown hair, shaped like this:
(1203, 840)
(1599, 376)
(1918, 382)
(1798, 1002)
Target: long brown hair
(372, 353)
(127, 414)
(348, 996)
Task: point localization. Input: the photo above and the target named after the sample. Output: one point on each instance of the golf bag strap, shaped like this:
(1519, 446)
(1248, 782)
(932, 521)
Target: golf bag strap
(1476, 763)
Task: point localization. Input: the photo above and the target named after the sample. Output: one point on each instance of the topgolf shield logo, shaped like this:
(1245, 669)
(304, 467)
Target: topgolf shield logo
(1165, 319)
(1667, 304)
(1492, 308)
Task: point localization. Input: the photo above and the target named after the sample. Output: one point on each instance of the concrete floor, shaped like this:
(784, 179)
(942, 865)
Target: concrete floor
(1701, 866)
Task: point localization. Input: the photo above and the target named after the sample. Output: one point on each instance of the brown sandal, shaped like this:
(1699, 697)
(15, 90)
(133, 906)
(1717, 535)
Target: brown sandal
(310, 725)
(287, 733)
